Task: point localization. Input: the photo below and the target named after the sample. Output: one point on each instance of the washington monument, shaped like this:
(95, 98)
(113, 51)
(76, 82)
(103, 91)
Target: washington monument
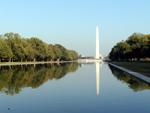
(97, 57)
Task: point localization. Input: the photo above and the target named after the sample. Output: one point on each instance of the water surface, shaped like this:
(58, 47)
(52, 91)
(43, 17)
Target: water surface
(71, 88)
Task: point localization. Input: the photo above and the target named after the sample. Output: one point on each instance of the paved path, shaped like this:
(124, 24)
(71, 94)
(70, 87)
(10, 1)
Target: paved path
(33, 63)
(136, 74)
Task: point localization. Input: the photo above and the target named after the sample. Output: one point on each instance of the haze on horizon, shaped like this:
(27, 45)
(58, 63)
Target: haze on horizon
(73, 23)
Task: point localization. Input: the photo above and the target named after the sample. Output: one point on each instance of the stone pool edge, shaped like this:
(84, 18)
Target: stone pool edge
(135, 74)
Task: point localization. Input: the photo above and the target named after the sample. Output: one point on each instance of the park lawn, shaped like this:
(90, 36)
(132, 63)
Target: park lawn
(141, 67)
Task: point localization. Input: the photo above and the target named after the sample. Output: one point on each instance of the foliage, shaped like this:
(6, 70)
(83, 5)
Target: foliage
(5, 50)
(136, 47)
(16, 48)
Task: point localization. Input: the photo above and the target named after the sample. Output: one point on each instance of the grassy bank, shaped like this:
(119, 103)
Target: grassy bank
(141, 67)
(30, 63)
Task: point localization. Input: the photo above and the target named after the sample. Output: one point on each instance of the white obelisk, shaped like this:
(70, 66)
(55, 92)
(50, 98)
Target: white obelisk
(97, 43)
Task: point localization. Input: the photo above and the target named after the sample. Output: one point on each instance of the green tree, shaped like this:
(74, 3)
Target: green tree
(39, 48)
(51, 52)
(137, 46)
(21, 49)
(5, 50)
(137, 42)
(16, 43)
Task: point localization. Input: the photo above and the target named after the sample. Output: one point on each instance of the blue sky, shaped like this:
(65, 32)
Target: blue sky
(72, 23)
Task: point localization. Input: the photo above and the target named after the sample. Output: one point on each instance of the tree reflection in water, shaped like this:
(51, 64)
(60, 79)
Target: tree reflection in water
(133, 82)
(15, 78)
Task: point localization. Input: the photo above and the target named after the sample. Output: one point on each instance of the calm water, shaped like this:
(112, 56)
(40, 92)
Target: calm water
(71, 88)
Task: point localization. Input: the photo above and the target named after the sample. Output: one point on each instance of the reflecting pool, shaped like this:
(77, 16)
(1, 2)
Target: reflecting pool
(71, 88)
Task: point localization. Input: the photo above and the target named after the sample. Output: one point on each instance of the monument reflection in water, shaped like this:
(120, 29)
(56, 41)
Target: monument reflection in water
(13, 79)
(97, 78)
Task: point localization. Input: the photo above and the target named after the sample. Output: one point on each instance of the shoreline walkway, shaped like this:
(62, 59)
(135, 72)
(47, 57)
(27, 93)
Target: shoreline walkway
(33, 63)
(135, 74)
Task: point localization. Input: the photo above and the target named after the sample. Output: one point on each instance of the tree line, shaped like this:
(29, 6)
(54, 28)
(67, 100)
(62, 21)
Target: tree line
(135, 48)
(13, 47)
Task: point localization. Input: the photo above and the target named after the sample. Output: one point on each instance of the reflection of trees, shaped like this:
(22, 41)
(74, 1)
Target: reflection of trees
(134, 83)
(14, 78)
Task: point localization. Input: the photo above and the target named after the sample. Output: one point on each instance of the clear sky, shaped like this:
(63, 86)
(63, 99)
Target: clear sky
(72, 23)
